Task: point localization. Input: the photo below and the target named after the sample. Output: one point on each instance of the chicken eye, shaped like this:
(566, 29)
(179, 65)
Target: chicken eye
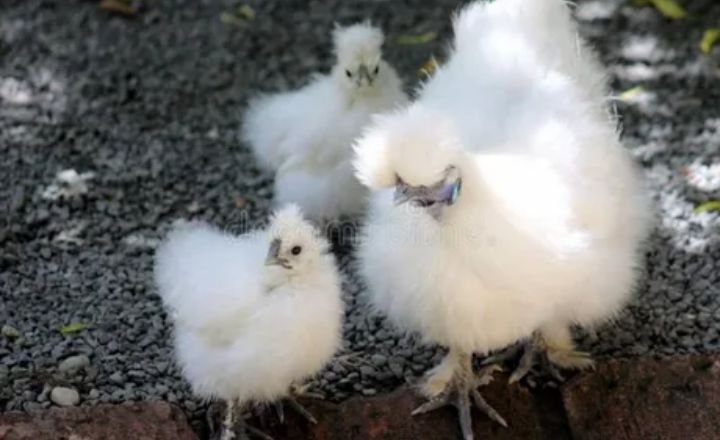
(425, 203)
(377, 69)
(348, 73)
(296, 250)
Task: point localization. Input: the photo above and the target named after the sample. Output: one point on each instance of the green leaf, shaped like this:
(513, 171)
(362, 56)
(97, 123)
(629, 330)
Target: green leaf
(73, 327)
(631, 93)
(239, 17)
(411, 40)
(709, 39)
(668, 8)
(246, 12)
(713, 205)
(230, 18)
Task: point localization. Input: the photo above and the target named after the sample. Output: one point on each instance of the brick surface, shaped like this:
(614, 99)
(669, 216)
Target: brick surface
(132, 421)
(672, 399)
(388, 417)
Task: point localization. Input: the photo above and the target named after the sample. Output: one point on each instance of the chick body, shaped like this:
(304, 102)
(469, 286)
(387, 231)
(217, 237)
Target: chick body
(243, 331)
(305, 135)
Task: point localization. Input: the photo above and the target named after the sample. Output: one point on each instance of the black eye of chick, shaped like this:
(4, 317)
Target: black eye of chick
(425, 203)
(296, 250)
(348, 73)
(377, 69)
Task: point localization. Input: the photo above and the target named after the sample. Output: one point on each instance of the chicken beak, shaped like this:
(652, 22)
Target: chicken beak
(364, 77)
(273, 256)
(403, 194)
(445, 192)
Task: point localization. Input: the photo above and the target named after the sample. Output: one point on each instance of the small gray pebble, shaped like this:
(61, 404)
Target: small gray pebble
(33, 407)
(43, 396)
(396, 368)
(9, 332)
(91, 374)
(378, 360)
(74, 363)
(367, 371)
(117, 378)
(119, 395)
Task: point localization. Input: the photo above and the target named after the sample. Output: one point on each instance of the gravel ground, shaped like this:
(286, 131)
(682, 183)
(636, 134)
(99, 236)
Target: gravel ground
(146, 110)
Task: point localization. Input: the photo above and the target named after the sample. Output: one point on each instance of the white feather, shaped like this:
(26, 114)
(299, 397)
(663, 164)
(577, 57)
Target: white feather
(244, 330)
(322, 194)
(309, 132)
(548, 227)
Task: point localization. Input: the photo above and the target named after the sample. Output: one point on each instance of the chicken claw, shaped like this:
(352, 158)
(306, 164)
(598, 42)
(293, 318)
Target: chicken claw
(460, 389)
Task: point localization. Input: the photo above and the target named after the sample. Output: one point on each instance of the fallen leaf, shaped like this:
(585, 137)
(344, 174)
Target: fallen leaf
(409, 40)
(231, 19)
(428, 68)
(73, 328)
(631, 93)
(668, 8)
(710, 38)
(239, 16)
(713, 205)
(119, 7)
(246, 11)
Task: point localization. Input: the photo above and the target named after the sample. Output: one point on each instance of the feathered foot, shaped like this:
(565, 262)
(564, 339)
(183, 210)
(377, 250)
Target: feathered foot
(552, 349)
(454, 382)
(232, 428)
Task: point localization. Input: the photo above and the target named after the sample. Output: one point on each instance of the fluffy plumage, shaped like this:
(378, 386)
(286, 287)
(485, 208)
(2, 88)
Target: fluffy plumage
(253, 314)
(524, 214)
(306, 135)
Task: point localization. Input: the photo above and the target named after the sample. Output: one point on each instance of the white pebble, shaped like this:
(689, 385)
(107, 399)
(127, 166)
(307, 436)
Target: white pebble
(63, 396)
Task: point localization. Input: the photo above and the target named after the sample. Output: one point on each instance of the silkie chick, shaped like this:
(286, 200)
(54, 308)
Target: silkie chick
(306, 135)
(253, 315)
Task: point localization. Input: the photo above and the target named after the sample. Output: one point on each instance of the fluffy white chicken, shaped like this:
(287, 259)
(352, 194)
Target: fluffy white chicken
(504, 208)
(306, 135)
(254, 315)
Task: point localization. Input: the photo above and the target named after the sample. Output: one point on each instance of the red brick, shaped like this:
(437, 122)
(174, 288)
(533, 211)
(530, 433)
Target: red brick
(136, 421)
(672, 399)
(387, 417)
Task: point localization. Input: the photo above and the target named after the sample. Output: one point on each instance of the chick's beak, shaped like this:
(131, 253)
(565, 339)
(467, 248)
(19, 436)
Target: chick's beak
(403, 194)
(273, 256)
(364, 76)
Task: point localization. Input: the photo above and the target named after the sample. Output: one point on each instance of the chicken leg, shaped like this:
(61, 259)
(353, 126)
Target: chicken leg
(296, 391)
(551, 347)
(454, 382)
(231, 426)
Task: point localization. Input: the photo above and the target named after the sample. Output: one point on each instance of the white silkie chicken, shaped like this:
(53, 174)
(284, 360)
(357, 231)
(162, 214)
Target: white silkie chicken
(254, 315)
(306, 135)
(504, 208)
